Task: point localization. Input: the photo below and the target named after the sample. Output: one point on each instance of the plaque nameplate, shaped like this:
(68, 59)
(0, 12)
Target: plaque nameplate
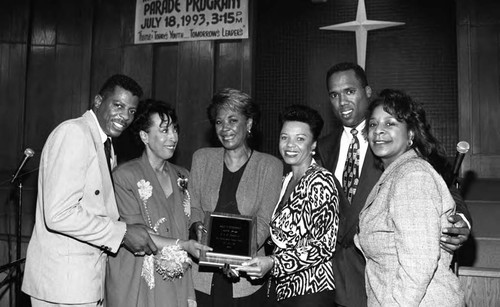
(232, 237)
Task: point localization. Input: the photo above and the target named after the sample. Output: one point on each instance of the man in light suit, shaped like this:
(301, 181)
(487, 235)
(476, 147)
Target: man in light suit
(349, 94)
(76, 222)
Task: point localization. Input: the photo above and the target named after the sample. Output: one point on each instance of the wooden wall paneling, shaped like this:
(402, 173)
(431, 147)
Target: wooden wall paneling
(14, 21)
(107, 44)
(127, 13)
(14, 16)
(486, 65)
(138, 64)
(464, 77)
(481, 286)
(233, 60)
(228, 65)
(165, 70)
(248, 51)
(137, 59)
(44, 22)
(74, 29)
(69, 22)
(105, 63)
(233, 65)
(107, 27)
(12, 88)
(74, 32)
(479, 76)
(68, 76)
(43, 113)
(195, 89)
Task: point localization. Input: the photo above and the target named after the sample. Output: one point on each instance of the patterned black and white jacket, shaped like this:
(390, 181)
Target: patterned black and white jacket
(304, 231)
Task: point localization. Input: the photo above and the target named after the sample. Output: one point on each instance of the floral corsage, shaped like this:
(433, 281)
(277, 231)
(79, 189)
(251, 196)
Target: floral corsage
(169, 263)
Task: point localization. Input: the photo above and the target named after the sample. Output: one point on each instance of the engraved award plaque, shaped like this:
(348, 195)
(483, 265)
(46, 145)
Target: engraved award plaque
(232, 237)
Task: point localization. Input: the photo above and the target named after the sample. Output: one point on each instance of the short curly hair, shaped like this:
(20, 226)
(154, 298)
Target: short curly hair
(145, 110)
(122, 81)
(304, 114)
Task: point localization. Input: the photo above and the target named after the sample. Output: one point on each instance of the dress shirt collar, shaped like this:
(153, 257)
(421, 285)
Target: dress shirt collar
(360, 129)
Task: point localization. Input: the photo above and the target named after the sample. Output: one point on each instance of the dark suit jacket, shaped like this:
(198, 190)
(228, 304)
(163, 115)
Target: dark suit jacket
(348, 262)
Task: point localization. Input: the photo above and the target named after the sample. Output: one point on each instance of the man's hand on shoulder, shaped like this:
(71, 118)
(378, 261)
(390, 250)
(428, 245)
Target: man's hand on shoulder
(454, 237)
(138, 241)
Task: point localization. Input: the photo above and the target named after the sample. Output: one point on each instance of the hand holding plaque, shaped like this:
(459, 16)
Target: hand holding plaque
(233, 239)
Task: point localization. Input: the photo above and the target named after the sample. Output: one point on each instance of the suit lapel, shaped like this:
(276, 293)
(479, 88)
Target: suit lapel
(369, 177)
(328, 149)
(107, 185)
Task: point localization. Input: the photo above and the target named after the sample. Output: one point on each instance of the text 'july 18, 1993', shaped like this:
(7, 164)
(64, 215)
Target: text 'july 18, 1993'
(183, 20)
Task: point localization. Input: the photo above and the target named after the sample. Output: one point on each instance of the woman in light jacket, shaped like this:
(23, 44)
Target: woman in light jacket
(403, 218)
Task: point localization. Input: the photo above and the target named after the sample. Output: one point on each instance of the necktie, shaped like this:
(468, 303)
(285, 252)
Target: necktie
(350, 177)
(107, 151)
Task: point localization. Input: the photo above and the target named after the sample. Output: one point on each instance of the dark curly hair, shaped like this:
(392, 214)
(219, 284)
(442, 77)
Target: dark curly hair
(405, 109)
(122, 81)
(145, 110)
(304, 114)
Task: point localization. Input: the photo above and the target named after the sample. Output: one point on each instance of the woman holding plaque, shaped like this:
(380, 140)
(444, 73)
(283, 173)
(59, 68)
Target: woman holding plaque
(151, 191)
(305, 222)
(233, 179)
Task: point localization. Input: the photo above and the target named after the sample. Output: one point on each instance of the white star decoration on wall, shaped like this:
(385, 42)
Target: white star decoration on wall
(361, 26)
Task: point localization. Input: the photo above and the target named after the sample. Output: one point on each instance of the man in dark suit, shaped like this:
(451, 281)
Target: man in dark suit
(349, 94)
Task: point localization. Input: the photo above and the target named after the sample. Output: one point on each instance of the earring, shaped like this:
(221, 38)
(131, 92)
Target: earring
(313, 153)
(410, 143)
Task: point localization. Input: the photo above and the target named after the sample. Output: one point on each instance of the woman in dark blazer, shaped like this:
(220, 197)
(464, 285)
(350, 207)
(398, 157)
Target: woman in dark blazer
(305, 222)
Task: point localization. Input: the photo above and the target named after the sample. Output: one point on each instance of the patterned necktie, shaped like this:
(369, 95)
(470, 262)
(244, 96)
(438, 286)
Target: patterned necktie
(350, 177)
(107, 151)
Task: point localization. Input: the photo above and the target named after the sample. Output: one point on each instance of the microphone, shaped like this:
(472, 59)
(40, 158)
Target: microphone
(28, 153)
(462, 149)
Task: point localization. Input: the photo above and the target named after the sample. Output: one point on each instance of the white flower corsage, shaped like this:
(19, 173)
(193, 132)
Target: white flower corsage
(145, 190)
(169, 262)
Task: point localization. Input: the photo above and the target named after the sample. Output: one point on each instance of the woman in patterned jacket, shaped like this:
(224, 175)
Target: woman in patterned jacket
(305, 222)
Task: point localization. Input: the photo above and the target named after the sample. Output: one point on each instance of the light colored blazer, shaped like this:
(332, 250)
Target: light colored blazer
(399, 231)
(305, 232)
(76, 219)
(257, 195)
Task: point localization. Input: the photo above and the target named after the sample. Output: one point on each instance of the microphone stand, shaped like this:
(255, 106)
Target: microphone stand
(19, 261)
(18, 241)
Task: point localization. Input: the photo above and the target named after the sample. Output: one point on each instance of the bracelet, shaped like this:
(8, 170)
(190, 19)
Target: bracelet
(273, 258)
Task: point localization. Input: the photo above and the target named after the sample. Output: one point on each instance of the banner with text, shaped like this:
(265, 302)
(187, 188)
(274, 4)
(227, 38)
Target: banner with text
(159, 21)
